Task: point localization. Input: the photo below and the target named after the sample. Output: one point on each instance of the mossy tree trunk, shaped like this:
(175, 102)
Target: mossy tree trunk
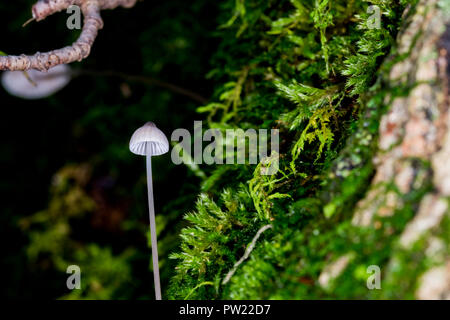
(380, 198)
(412, 162)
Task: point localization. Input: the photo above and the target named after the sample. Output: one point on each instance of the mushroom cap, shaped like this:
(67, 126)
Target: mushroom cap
(45, 83)
(149, 136)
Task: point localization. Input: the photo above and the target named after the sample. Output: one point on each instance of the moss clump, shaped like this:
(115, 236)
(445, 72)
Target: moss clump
(309, 69)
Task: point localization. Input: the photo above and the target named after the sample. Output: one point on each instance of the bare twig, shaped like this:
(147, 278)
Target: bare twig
(246, 254)
(148, 81)
(78, 50)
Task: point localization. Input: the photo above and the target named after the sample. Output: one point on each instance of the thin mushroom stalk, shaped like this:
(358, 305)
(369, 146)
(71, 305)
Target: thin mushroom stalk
(150, 141)
(151, 208)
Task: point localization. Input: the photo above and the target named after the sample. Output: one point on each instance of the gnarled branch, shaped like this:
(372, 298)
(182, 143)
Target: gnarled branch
(80, 49)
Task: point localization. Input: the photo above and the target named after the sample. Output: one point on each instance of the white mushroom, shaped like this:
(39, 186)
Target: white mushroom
(150, 141)
(39, 84)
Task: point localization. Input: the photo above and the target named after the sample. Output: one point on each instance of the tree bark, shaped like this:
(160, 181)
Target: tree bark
(414, 142)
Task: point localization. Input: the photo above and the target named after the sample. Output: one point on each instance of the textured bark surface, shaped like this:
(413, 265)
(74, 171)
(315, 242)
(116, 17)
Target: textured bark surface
(414, 142)
(78, 50)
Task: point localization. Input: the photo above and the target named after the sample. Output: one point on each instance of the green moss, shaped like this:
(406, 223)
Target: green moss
(330, 118)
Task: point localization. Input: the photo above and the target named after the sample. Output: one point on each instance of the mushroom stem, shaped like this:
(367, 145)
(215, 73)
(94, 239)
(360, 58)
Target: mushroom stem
(149, 141)
(151, 208)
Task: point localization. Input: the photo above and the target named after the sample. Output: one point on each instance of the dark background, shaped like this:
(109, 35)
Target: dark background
(81, 134)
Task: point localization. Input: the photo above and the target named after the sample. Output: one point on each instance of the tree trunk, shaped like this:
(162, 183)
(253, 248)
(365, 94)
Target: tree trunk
(413, 158)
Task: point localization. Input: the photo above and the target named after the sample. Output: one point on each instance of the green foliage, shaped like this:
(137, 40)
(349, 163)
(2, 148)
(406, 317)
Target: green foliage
(207, 245)
(306, 68)
(323, 19)
(318, 107)
(262, 190)
(107, 275)
(374, 43)
(230, 99)
(104, 275)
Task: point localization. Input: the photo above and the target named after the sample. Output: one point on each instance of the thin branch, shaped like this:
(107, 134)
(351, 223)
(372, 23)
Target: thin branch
(246, 254)
(78, 50)
(149, 81)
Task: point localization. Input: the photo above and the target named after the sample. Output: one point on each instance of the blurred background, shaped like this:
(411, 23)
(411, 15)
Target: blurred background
(71, 191)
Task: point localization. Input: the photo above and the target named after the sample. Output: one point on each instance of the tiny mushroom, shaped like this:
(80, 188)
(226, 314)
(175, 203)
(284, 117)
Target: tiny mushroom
(149, 141)
(35, 84)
